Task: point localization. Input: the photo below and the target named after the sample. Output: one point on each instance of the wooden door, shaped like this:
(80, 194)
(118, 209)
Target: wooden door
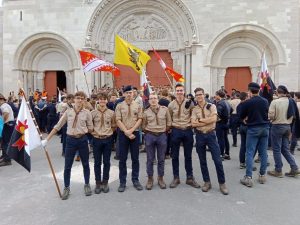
(237, 78)
(50, 83)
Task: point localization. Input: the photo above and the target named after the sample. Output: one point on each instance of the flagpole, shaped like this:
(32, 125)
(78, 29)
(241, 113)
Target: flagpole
(40, 134)
(171, 84)
(87, 84)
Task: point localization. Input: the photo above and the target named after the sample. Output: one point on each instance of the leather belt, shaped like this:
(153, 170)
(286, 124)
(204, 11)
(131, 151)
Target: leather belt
(76, 136)
(154, 133)
(102, 136)
(182, 128)
(204, 132)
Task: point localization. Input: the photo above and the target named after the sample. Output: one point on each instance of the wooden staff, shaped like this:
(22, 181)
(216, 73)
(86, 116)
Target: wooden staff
(87, 84)
(40, 134)
(167, 75)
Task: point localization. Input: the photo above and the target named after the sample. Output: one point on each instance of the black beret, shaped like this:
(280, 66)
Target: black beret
(283, 88)
(127, 88)
(253, 86)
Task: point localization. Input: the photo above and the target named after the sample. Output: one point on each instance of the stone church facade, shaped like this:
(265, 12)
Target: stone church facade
(212, 43)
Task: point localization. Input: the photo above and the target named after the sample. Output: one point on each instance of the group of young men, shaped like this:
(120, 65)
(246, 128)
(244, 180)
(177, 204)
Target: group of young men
(175, 123)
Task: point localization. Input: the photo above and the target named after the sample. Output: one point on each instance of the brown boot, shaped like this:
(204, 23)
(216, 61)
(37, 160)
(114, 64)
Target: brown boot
(161, 182)
(98, 187)
(149, 184)
(224, 189)
(175, 182)
(192, 182)
(206, 187)
(105, 187)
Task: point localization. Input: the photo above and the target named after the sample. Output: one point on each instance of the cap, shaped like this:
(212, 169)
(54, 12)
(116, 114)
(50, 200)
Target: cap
(283, 88)
(127, 88)
(254, 86)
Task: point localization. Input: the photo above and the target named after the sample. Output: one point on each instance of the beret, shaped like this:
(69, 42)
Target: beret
(253, 85)
(127, 88)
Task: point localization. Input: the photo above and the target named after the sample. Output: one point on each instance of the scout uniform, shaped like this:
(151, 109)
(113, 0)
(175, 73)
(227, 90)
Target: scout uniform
(128, 115)
(181, 132)
(156, 121)
(206, 136)
(104, 124)
(78, 125)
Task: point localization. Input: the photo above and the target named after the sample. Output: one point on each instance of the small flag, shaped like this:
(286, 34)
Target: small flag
(129, 55)
(178, 77)
(267, 87)
(90, 62)
(25, 137)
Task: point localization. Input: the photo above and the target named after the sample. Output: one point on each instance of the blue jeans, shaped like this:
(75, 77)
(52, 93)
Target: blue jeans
(186, 137)
(234, 124)
(210, 140)
(280, 145)
(257, 137)
(124, 145)
(102, 149)
(73, 145)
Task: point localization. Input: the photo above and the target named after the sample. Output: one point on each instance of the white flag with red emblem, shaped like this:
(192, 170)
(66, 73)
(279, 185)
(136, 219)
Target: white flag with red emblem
(90, 62)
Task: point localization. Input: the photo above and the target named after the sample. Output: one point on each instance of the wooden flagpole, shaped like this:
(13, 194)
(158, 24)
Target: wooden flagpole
(45, 150)
(169, 80)
(87, 84)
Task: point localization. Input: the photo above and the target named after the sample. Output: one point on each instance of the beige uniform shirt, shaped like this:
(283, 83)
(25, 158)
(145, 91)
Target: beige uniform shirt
(201, 113)
(278, 111)
(128, 118)
(103, 126)
(234, 103)
(157, 120)
(83, 125)
(181, 117)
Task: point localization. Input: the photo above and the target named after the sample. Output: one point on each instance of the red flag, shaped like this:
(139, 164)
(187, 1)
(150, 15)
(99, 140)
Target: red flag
(177, 76)
(90, 62)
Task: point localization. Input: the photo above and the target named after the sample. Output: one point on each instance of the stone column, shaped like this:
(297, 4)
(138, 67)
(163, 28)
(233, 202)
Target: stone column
(40, 80)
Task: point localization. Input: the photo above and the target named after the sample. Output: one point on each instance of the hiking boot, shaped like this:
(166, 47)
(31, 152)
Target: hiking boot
(5, 163)
(116, 157)
(292, 173)
(191, 181)
(206, 187)
(275, 173)
(224, 189)
(257, 160)
(247, 181)
(77, 158)
(254, 168)
(161, 182)
(234, 145)
(262, 179)
(105, 187)
(66, 193)
(149, 184)
(227, 157)
(98, 187)
(167, 157)
(175, 182)
(122, 188)
(137, 185)
(242, 165)
(87, 190)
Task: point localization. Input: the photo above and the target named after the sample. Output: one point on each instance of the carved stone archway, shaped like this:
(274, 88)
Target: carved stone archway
(162, 24)
(39, 48)
(248, 37)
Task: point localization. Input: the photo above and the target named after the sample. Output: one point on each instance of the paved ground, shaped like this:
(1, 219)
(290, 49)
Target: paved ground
(32, 198)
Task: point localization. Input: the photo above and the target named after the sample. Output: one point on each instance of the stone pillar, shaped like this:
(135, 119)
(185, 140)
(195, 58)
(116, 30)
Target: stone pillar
(40, 80)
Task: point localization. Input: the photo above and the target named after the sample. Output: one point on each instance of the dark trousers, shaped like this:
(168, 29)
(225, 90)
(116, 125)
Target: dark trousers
(168, 150)
(243, 134)
(51, 121)
(209, 140)
(234, 123)
(124, 145)
(222, 135)
(8, 129)
(64, 138)
(102, 149)
(154, 143)
(73, 145)
(186, 137)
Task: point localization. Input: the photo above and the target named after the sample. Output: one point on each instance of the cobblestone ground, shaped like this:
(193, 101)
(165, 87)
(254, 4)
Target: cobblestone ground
(31, 198)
